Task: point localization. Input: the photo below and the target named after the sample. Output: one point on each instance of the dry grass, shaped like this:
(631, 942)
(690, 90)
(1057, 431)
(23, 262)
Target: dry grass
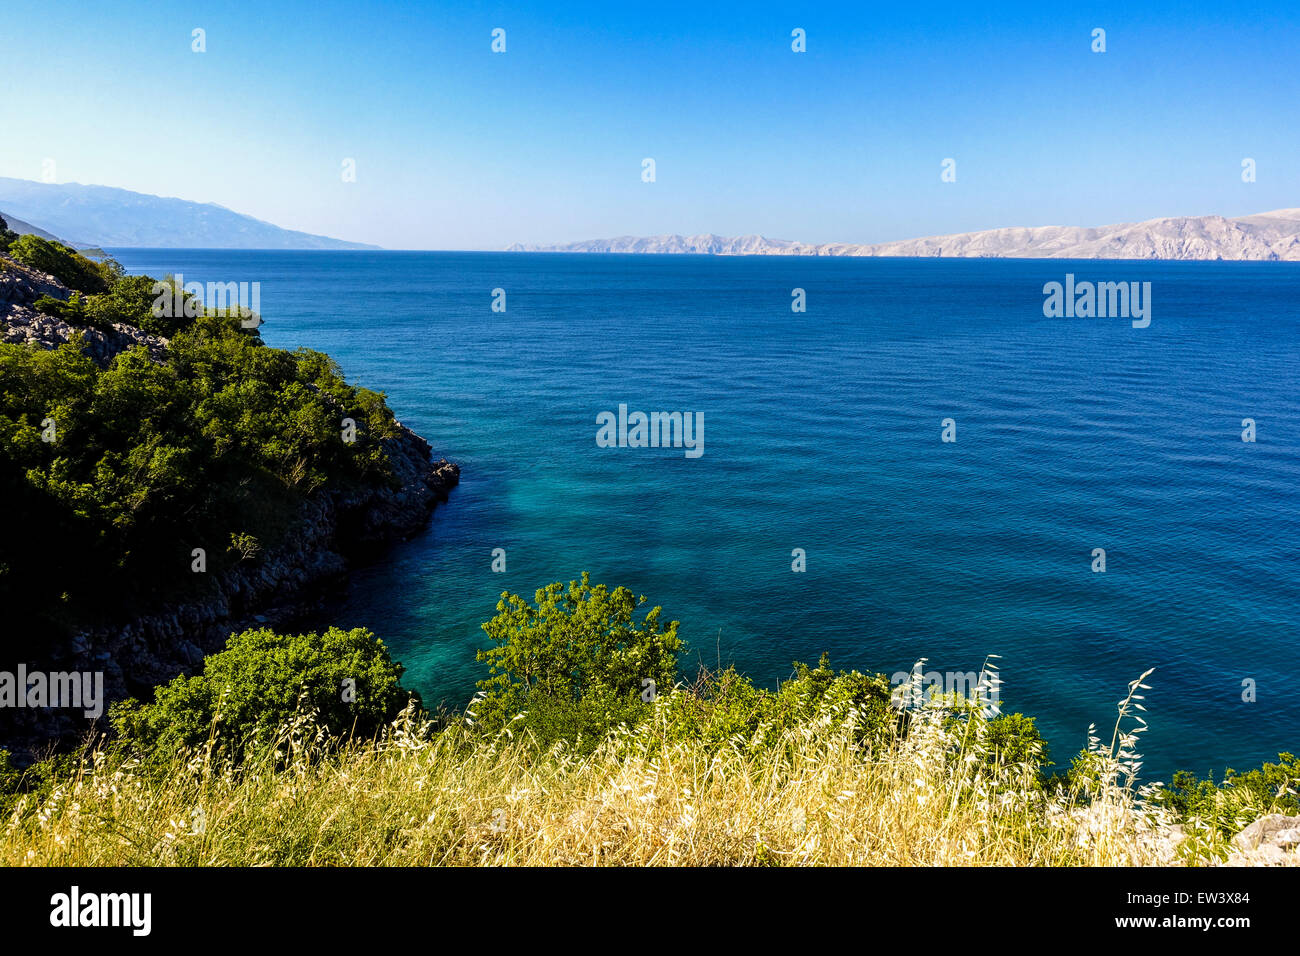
(415, 797)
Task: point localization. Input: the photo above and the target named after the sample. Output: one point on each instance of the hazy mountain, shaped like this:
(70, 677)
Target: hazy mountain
(105, 216)
(703, 243)
(26, 228)
(1268, 235)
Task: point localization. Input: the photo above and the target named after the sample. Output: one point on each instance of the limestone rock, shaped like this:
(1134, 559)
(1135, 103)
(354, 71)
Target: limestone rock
(1269, 235)
(1269, 841)
(1274, 829)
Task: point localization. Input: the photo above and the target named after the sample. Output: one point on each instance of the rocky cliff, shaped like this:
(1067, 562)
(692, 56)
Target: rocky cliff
(333, 530)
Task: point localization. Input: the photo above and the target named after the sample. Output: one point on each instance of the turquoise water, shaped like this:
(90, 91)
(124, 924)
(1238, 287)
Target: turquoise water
(823, 433)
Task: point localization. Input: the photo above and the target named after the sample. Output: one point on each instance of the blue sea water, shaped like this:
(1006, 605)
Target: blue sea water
(822, 432)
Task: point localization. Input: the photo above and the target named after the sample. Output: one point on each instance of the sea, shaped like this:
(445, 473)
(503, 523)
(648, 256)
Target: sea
(825, 511)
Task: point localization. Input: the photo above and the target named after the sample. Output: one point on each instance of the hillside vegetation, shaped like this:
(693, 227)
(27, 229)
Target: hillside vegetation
(300, 750)
(116, 471)
(585, 743)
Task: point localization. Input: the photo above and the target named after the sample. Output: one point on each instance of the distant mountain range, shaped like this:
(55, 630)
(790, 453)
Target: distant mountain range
(106, 216)
(25, 228)
(1268, 235)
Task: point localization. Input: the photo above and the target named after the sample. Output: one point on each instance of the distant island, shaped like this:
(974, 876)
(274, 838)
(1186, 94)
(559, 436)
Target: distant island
(1265, 236)
(104, 216)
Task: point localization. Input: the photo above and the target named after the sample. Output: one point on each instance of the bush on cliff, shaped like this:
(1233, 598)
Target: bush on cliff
(260, 682)
(129, 302)
(65, 264)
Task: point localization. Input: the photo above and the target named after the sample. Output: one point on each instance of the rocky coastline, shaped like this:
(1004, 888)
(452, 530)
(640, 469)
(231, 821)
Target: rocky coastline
(334, 530)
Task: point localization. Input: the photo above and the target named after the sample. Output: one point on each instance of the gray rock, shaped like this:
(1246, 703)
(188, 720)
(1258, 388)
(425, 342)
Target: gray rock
(1266, 831)
(1288, 839)
(21, 324)
(23, 285)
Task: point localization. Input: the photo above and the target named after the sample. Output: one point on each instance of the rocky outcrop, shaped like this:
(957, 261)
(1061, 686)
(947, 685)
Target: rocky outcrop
(20, 285)
(1269, 841)
(24, 325)
(331, 533)
(20, 322)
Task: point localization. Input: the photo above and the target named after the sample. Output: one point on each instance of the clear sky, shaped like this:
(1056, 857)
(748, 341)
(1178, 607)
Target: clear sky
(457, 147)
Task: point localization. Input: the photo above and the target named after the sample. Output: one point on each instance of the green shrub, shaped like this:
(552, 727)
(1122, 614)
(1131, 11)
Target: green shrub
(7, 236)
(72, 311)
(722, 706)
(1015, 738)
(65, 264)
(262, 680)
(1273, 788)
(132, 300)
(575, 664)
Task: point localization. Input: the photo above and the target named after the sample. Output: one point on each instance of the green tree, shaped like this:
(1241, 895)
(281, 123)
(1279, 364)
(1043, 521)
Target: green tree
(576, 662)
(7, 235)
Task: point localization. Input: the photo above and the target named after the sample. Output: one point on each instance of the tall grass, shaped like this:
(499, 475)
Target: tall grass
(816, 794)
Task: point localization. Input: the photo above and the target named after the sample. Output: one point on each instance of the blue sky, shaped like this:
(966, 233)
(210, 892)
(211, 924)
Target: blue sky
(460, 148)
